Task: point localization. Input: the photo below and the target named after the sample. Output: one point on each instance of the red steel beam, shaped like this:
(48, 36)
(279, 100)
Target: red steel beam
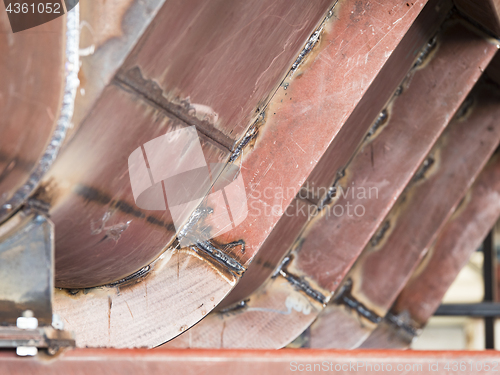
(250, 362)
(32, 84)
(266, 161)
(348, 139)
(278, 311)
(91, 175)
(461, 236)
(387, 262)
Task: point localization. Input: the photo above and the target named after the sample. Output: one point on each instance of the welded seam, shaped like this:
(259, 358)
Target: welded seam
(346, 298)
(399, 323)
(304, 286)
(309, 46)
(299, 282)
(218, 255)
(382, 118)
(71, 83)
(222, 141)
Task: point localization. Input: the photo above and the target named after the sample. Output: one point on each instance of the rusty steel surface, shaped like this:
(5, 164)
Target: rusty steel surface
(424, 109)
(106, 175)
(461, 236)
(106, 219)
(123, 362)
(210, 331)
(36, 70)
(342, 147)
(105, 238)
(239, 49)
(172, 284)
(386, 264)
(485, 12)
(289, 99)
(286, 304)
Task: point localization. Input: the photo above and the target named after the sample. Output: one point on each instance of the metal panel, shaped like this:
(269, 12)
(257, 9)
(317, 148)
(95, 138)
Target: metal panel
(349, 137)
(99, 315)
(411, 227)
(38, 81)
(26, 268)
(461, 236)
(289, 302)
(124, 362)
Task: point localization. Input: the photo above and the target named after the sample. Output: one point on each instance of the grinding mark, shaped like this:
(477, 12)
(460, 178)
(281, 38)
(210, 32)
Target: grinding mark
(346, 298)
(113, 232)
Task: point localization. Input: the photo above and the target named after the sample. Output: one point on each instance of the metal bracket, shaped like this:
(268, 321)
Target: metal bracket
(27, 284)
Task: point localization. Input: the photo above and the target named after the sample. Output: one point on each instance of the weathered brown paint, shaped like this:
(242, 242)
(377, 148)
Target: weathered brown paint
(344, 144)
(31, 87)
(225, 55)
(433, 95)
(461, 236)
(276, 310)
(96, 156)
(385, 265)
